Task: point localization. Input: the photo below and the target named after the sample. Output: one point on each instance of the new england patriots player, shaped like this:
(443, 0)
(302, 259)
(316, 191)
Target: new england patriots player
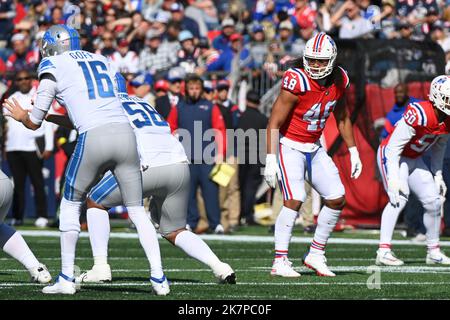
(165, 178)
(12, 242)
(425, 126)
(83, 83)
(307, 98)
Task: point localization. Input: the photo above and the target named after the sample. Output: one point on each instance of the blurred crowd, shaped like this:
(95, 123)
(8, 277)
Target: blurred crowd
(155, 44)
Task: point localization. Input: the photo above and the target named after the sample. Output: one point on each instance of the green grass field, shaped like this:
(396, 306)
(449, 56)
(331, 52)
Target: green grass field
(251, 261)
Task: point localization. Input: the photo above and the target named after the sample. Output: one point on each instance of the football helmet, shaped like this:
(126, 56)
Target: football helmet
(440, 93)
(321, 47)
(58, 39)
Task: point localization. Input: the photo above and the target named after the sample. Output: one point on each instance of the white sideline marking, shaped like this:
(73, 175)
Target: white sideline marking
(230, 238)
(147, 284)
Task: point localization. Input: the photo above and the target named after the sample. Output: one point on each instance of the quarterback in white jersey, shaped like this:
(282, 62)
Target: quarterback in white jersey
(83, 83)
(165, 178)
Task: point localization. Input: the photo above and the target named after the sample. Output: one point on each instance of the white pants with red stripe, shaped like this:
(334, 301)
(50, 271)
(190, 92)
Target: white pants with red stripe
(316, 167)
(415, 172)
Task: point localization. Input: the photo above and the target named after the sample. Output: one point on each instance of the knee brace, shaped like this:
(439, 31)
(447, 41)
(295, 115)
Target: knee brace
(432, 206)
(69, 217)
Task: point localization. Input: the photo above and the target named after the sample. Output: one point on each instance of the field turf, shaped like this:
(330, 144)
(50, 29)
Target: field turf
(251, 260)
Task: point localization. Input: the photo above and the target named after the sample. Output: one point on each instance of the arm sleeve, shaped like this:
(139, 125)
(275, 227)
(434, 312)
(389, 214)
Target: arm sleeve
(438, 153)
(49, 134)
(399, 139)
(45, 94)
(219, 124)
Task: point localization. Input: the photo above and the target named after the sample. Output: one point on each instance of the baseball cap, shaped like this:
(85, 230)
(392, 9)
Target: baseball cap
(18, 37)
(235, 36)
(185, 35)
(162, 17)
(123, 43)
(151, 34)
(142, 79)
(286, 24)
(228, 22)
(175, 74)
(389, 3)
(207, 86)
(223, 84)
(176, 7)
(161, 85)
(203, 43)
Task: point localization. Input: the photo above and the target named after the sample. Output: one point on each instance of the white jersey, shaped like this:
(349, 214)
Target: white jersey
(84, 85)
(156, 144)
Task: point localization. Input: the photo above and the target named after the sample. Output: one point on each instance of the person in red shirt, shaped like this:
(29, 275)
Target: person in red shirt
(424, 126)
(22, 58)
(308, 96)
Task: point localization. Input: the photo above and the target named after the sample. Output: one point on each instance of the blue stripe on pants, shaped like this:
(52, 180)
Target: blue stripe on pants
(72, 168)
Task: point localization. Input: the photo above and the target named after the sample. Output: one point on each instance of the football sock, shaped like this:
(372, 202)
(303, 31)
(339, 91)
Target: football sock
(69, 225)
(432, 223)
(388, 221)
(99, 228)
(148, 239)
(283, 231)
(196, 248)
(325, 224)
(17, 248)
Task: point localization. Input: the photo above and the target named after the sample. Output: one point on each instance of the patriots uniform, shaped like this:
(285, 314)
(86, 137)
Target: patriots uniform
(300, 155)
(85, 87)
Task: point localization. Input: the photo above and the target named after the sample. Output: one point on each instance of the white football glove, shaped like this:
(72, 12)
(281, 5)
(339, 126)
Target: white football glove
(356, 162)
(395, 189)
(440, 184)
(271, 169)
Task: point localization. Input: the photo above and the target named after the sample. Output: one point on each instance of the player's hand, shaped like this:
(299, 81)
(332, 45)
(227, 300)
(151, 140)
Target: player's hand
(396, 189)
(356, 162)
(271, 169)
(440, 184)
(15, 110)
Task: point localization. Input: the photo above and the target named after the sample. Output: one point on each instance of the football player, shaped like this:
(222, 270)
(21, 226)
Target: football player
(12, 242)
(309, 94)
(83, 83)
(425, 125)
(165, 178)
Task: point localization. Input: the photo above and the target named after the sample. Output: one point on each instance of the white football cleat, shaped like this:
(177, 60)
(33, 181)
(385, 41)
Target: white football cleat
(224, 273)
(160, 286)
(63, 285)
(40, 274)
(437, 257)
(318, 263)
(98, 273)
(283, 267)
(41, 222)
(387, 258)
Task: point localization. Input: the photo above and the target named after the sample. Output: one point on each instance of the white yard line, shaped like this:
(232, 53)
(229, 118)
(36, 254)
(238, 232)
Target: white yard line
(231, 238)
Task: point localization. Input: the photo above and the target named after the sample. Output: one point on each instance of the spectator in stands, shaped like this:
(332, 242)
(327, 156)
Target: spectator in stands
(352, 25)
(136, 36)
(189, 53)
(405, 30)
(161, 88)
(24, 157)
(205, 13)
(387, 19)
(232, 58)
(187, 23)
(188, 113)
(165, 103)
(369, 11)
(7, 14)
(208, 91)
(257, 48)
(304, 14)
(250, 168)
(142, 85)
(222, 41)
(326, 11)
(286, 35)
(171, 36)
(439, 36)
(207, 56)
(107, 46)
(124, 60)
(229, 196)
(22, 58)
(156, 57)
(305, 34)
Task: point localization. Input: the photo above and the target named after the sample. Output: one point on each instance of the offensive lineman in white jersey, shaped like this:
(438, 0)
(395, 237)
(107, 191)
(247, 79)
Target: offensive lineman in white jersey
(83, 83)
(166, 179)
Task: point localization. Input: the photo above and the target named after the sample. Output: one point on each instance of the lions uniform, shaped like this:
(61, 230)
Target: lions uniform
(403, 170)
(12, 242)
(166, 178)
(83, 83)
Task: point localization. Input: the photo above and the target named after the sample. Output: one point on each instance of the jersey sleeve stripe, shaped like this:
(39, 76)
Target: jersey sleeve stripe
(422, 113)
(302, 81)
(305, 78)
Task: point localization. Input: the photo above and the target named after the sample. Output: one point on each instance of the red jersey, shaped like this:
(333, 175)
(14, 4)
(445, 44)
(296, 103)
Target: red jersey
(422, 118)
(315, 103)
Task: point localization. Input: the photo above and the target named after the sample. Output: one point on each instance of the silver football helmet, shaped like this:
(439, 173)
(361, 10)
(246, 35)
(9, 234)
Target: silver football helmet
(58, 39)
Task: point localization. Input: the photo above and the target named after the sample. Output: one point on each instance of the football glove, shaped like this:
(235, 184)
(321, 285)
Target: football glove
(440, 184)
(356, 162)
(271, 169)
